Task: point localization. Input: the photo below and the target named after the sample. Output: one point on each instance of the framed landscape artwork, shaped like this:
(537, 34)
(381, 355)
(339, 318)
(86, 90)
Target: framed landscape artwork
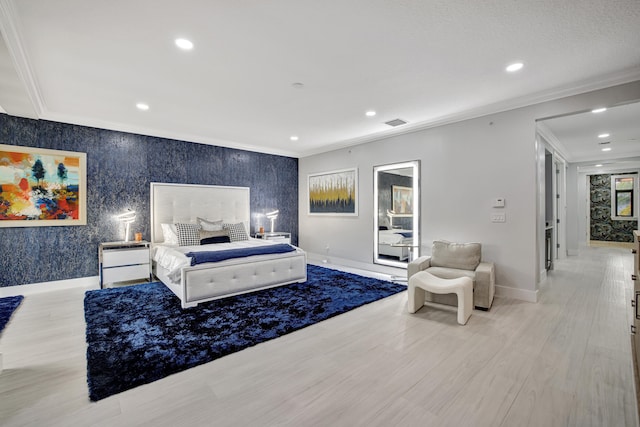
(334, 193)
(41, 187)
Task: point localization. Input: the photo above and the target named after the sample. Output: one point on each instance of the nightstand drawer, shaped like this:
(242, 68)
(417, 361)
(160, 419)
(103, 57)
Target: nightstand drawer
(125, 257)
(121, 274)
(280, 239)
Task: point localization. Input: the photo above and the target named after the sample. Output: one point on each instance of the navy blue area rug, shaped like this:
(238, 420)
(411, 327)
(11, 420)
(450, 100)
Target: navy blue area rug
(139, 334)
(7, 306)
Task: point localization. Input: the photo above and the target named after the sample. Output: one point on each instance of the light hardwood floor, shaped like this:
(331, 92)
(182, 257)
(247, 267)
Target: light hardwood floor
(565, 361)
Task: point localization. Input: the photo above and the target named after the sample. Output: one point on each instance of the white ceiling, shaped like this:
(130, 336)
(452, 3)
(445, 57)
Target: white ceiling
(576, 136)
(425, 61)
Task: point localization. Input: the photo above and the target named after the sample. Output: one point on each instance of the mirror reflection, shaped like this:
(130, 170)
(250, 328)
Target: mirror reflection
(397, 215)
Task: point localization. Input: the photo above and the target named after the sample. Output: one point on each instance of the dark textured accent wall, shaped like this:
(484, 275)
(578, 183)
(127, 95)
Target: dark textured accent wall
(386, 181)
(120, 167)
(603, 228)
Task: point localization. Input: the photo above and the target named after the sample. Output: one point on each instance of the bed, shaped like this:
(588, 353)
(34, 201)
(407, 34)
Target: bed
(388, 239)
(193, 284)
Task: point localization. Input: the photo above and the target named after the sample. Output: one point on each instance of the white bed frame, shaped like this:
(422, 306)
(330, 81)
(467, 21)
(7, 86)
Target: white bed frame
(402, 252)
(173, 203)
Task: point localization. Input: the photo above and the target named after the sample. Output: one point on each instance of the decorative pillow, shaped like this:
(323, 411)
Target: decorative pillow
(215, 239)
(188, 234)
(208, 237)
(170, 234)
(463, 256)
(210, 225)
(237, 231)
(204, 233)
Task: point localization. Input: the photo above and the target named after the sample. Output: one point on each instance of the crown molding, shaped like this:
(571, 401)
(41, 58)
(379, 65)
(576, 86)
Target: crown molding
(161, 133)
(553, 141)
(608, 166)
(576, 88)
(10, 29)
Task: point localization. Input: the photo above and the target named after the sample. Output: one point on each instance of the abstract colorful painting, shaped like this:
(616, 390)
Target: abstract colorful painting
(334, 193)
(41, 187)
(402, 200)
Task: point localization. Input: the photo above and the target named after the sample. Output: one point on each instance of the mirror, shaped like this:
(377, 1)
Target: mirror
(396, 198)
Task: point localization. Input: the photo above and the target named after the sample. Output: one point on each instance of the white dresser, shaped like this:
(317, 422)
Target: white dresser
(124, 261)
(635, 311)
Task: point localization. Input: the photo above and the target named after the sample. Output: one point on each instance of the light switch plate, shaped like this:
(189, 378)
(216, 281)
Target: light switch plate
(498, 217)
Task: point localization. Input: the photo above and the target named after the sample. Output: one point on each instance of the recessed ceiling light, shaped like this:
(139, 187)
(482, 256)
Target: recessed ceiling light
(514, 67)
(294, 138)
(604, 135)
(370, 113)
(599, 110)
(598, 166)
(184, 44)
(142, 106)
(606, 149)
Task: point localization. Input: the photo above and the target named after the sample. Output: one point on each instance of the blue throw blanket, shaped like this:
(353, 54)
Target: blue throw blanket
(214, 256)
(407, 234)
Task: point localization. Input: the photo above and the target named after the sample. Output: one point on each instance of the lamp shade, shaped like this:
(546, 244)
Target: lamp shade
(272, 216)
(127, 218)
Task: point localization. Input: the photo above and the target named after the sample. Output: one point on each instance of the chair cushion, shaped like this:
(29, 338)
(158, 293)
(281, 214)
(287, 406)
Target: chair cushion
(451, 273)
(464, 256)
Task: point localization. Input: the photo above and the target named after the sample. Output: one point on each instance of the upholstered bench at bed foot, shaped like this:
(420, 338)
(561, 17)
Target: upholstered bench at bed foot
(424, 281)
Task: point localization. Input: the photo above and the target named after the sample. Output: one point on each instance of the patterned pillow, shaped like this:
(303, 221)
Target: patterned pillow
(237, 231)
(188, 234)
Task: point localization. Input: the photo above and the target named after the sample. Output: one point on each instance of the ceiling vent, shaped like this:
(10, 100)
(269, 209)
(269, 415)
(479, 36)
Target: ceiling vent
(395, 122)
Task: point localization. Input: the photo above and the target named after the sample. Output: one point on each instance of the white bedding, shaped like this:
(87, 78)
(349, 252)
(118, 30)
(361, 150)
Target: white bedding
(390, 237)
(173, 258)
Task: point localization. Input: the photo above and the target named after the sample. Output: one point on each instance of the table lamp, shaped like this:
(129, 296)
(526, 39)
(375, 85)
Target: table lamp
(272, 216)
(127, 218)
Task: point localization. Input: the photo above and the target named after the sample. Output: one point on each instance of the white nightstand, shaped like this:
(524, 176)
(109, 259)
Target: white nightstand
(124, 261)
(278, 236)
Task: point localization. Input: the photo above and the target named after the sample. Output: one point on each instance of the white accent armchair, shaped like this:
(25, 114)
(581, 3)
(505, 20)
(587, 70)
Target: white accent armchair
(450, 260)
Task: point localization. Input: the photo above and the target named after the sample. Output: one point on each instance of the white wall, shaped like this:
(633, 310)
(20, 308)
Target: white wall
(464, 166)
(574, 215)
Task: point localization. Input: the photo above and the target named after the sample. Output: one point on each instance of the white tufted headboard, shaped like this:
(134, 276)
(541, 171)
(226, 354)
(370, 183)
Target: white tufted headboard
(172, 203)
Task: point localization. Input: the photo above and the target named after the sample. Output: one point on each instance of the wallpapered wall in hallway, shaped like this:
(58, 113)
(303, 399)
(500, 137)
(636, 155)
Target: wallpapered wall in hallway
(120, 167)
(603, 228)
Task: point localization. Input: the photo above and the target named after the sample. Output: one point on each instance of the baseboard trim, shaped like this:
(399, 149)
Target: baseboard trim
(334, 262)
(520, 294)
(92, 282)
(337, 263)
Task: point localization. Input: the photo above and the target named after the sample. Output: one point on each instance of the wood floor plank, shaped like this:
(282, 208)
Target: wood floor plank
(564, 361)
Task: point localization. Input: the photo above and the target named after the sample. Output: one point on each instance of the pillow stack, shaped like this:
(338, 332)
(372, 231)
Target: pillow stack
(203, 232)
(212, 232)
